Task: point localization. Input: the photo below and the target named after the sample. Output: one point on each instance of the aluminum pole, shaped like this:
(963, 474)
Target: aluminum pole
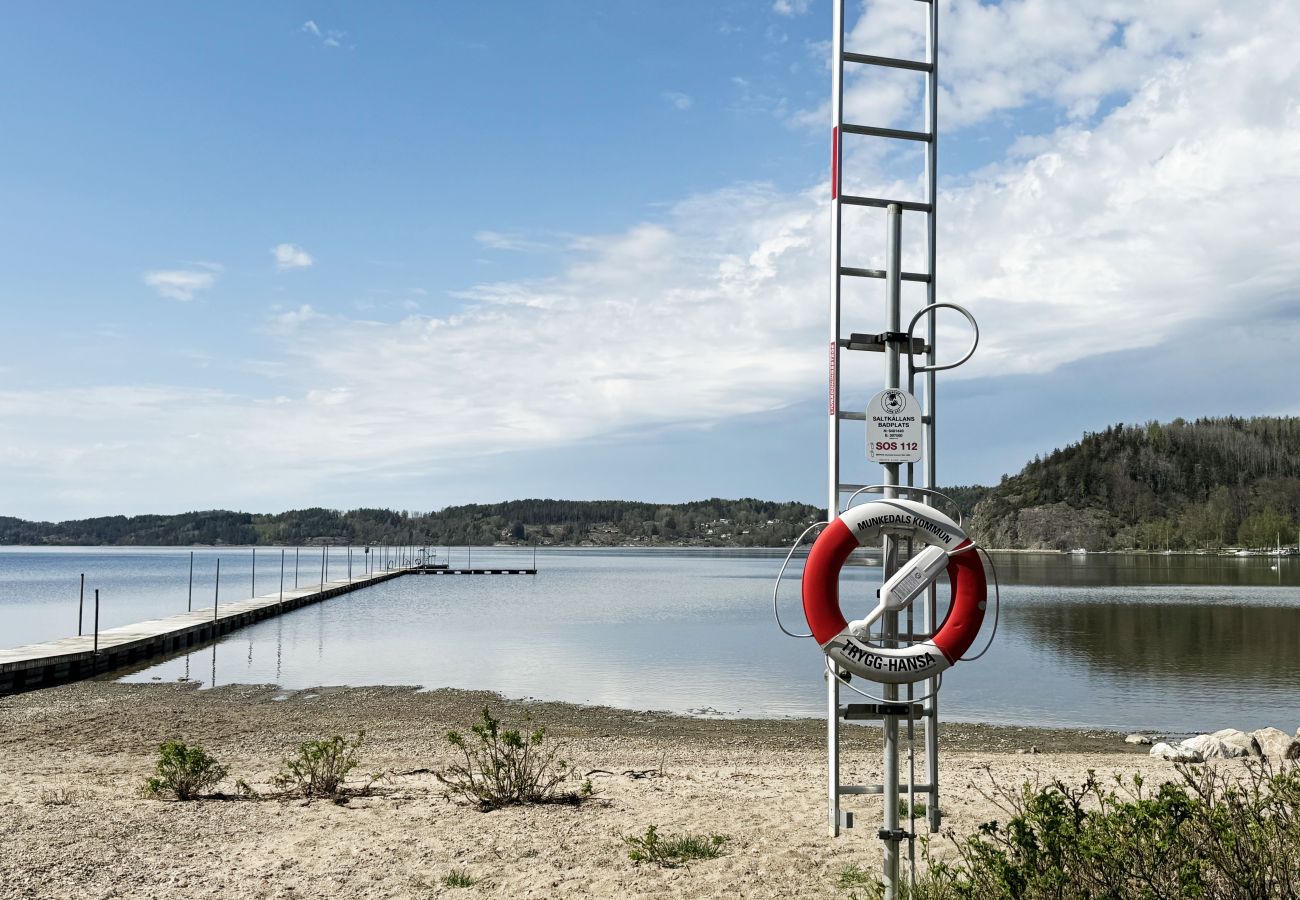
(931, 722)
(889, 546)
(81, 603)
(833, 419)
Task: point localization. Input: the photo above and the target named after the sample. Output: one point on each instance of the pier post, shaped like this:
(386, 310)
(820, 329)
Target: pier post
(189, 598)
(254, 587)
(216, 593)
(81, 603)
(96, 622)
(281, 574)
(295, 568)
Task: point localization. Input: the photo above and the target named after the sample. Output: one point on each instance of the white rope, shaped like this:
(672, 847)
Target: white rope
(776, 613)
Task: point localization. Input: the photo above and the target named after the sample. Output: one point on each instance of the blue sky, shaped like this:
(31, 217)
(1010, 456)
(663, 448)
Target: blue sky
(266, 256)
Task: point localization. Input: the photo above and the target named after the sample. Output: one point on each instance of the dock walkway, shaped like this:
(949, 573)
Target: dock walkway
(73, 658)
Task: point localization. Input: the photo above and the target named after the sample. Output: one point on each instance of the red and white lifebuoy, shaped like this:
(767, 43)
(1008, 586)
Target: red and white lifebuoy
(862, 526)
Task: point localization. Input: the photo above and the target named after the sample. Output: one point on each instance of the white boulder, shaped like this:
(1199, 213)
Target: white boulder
(1276, 743)
(1245, 743)
(1137, 739)
(1209, 747)
(1175, 754)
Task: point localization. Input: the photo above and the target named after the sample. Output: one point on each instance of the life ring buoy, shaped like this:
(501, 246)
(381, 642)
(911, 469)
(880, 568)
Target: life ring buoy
(861, 526)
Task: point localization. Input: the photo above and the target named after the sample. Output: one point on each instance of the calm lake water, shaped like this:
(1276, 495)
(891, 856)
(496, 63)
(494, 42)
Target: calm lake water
(1175, 643)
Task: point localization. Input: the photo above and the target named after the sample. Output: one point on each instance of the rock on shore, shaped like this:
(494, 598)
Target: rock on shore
(1228, 743)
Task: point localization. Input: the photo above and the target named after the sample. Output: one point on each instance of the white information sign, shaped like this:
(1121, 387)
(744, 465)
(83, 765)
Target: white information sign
(894, 428)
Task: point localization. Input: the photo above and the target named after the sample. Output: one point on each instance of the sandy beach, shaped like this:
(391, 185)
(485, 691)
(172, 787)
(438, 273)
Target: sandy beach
(73, 824)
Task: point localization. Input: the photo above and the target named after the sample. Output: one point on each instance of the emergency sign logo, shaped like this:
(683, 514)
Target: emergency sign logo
(893, 402)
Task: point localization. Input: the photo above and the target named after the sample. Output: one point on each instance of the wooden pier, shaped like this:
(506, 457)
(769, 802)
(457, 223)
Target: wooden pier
(74, 658)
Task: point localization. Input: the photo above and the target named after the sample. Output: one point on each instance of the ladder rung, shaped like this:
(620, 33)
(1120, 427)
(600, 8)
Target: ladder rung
(888, 62)
(873, 131)
(880, 273)
(880, 789)
(877, 710)
(913, 205)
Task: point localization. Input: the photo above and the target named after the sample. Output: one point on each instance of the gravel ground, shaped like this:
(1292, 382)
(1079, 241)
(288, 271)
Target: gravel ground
(73, 824)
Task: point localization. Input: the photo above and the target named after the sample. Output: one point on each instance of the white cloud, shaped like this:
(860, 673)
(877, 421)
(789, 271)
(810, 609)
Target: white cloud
(678, 100)
(1152, 222)
(290, 321)
(791, 7)
(182, 284)
(999, 57)
(290, 256)
(310, 27)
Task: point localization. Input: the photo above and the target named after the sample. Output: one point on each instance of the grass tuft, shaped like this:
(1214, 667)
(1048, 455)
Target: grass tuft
(670, 852)
(459, 878)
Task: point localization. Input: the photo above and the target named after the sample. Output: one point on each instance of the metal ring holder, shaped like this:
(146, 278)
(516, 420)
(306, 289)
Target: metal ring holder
(912, 369)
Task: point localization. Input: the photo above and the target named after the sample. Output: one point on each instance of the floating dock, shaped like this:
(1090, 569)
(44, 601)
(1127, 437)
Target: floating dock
(446, 570)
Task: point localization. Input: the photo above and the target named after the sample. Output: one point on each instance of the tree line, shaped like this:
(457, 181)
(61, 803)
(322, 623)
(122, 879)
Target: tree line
(715, 522)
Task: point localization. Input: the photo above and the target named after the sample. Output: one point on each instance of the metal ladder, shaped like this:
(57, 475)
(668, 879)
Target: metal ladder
(894, 343)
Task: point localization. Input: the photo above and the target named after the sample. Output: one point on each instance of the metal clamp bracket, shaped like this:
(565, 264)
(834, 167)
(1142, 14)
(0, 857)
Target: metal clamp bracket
(876, 343)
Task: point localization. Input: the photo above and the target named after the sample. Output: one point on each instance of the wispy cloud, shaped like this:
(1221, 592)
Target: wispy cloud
(328, 38)
(291, 256)
(678, 100)
(182, 284)
(791, 7)
(509, 240)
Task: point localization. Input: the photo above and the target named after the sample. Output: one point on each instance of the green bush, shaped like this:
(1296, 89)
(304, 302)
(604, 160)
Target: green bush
(504, 767)
(671, 852)
(320, 767)
(1208, 835)
(183, 772)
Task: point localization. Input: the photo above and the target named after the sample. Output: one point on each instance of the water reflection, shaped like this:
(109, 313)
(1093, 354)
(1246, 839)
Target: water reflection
(1127, 569)
(1211, 640)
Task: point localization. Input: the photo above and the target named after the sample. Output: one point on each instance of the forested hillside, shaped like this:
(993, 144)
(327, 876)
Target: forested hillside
(1184, 485)
(715, 522)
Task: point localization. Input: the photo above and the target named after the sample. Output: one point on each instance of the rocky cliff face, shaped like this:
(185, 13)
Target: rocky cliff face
(1056, 526)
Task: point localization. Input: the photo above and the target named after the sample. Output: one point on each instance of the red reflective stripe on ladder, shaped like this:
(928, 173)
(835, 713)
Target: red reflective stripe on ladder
(835, 162)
